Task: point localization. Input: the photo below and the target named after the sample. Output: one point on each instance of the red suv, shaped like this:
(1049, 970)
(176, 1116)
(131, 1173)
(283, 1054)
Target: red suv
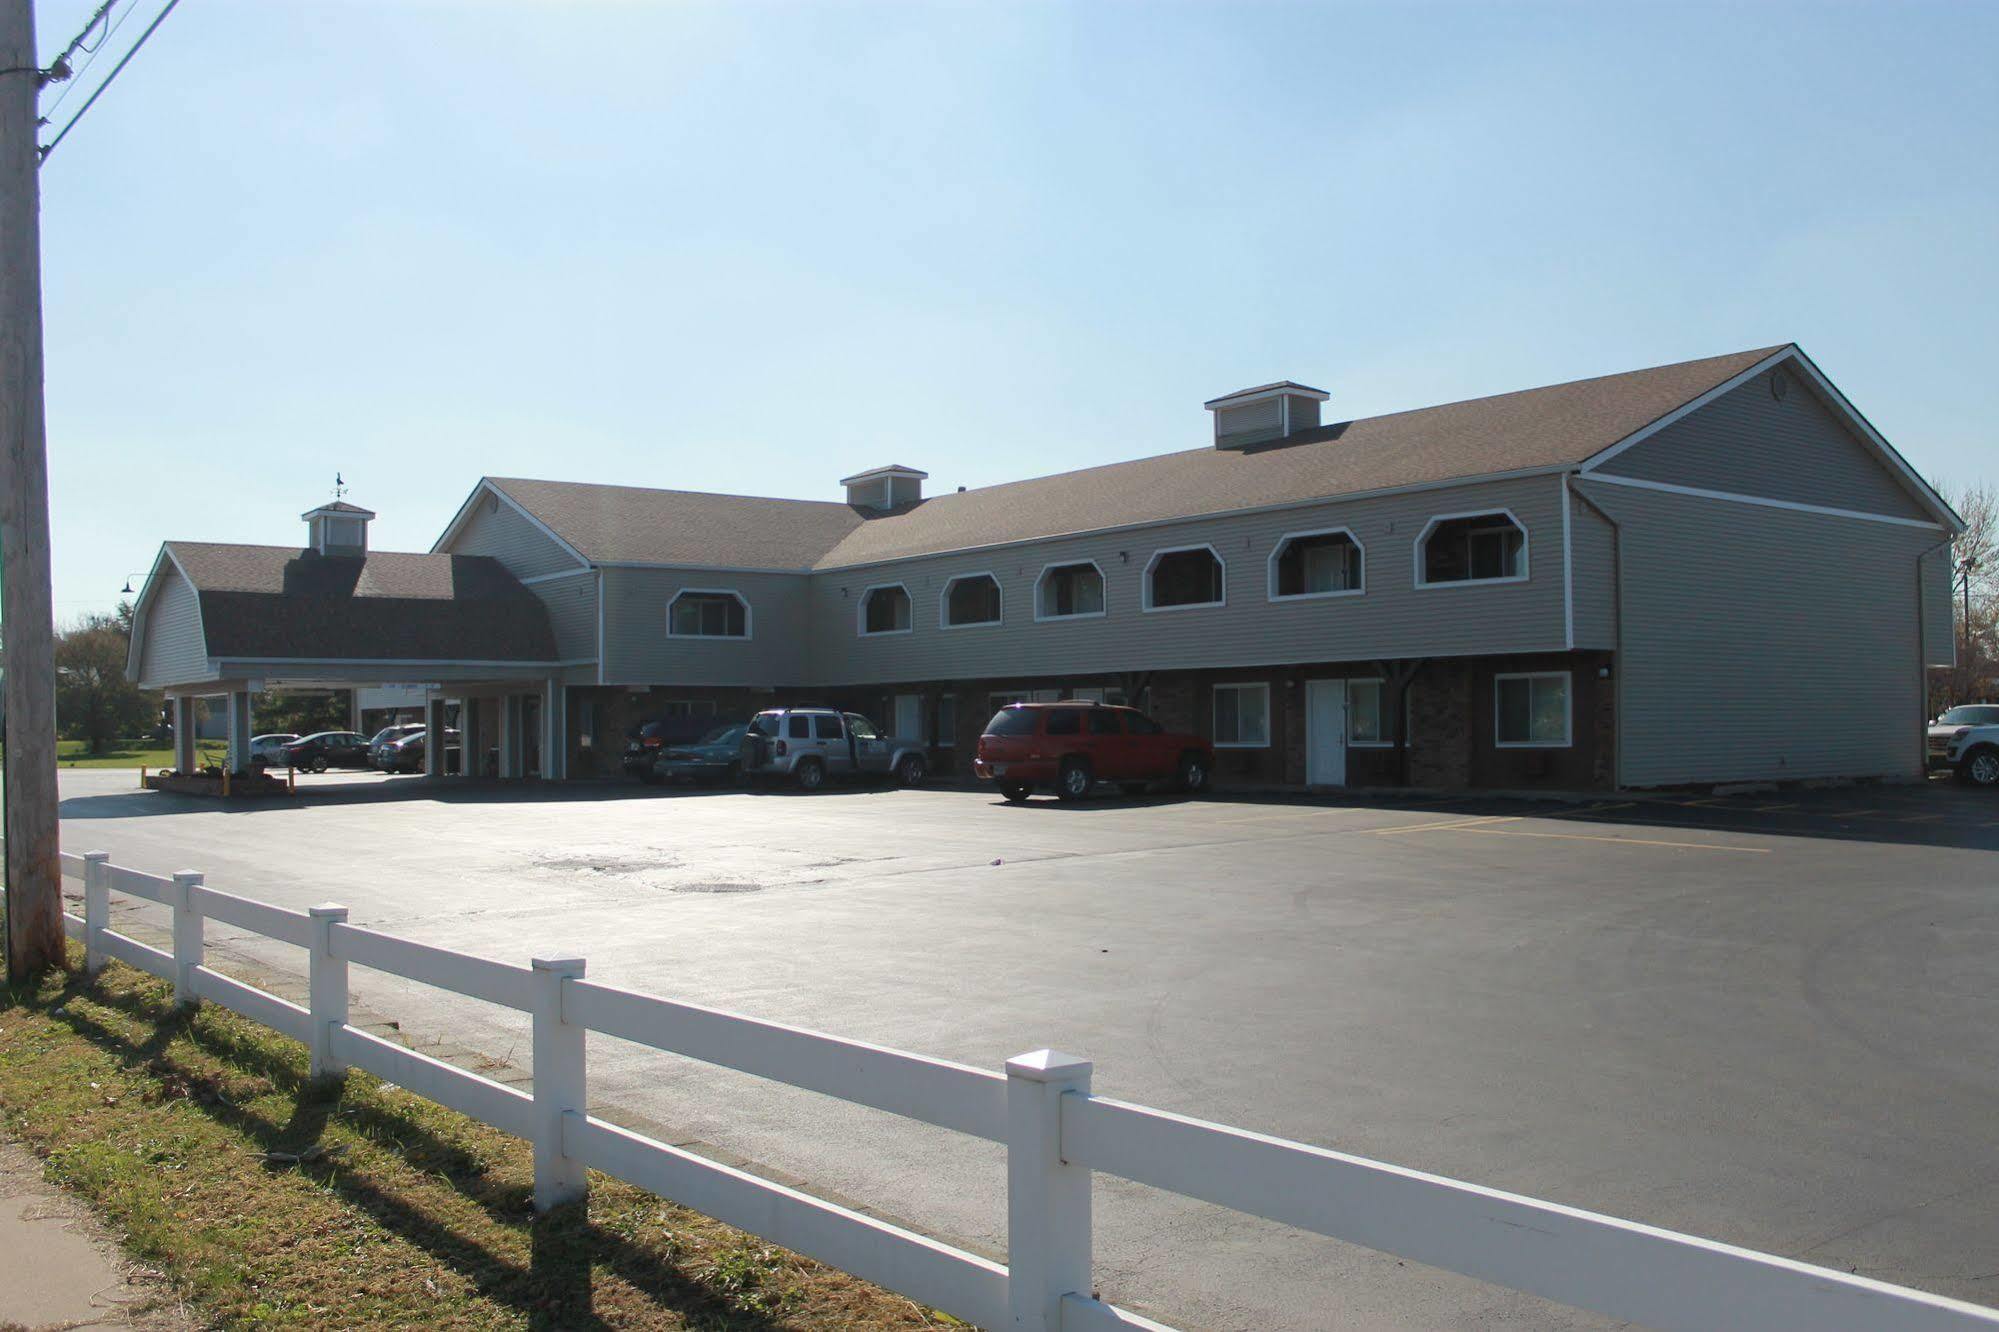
(1070, 747)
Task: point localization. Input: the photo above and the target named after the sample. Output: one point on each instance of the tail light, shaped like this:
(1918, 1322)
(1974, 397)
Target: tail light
(782, 749)
(652, 742)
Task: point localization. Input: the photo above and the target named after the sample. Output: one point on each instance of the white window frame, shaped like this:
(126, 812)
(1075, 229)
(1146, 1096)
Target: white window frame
(749, 615)
(861, 629)
(1277, 552)
(1042, 577)
(1568, 711)
(944, 601)
(1215, 691)
(1408, 712)
(1423, 540)
(1145, 583)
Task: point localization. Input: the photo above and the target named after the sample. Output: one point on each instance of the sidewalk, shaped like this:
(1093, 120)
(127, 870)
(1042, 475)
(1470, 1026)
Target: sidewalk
(59, 1270)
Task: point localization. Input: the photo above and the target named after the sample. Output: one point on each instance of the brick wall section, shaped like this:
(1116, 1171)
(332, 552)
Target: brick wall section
(1440, 720)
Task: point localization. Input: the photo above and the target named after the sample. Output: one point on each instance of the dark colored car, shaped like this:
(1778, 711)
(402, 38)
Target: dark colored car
(715, 757)
(327, 749)
(386, 739)
(405, 753)
(645, 742)
(1070, 747)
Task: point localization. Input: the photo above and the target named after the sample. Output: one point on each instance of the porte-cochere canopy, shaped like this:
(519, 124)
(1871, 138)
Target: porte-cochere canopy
(233, 620)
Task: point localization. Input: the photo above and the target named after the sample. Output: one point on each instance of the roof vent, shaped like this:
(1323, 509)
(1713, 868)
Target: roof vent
(1266, 412)
(338, 528)
(884, 488)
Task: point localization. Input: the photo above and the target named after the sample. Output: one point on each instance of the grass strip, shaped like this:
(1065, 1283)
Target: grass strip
(271, 1202)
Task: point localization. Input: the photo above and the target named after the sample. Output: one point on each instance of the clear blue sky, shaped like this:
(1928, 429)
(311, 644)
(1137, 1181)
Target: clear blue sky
(754, 247)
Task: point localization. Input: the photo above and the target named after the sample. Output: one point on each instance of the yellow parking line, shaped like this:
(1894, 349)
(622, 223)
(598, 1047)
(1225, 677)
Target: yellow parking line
(1919, 818)
(1592, 837)
(1765, 809)
(1856, 813)
(1448, 823)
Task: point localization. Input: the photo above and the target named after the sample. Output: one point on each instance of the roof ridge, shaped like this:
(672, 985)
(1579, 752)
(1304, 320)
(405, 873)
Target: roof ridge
(664, 490)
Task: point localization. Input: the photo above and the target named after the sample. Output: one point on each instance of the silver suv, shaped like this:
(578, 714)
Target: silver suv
(810, 745)
(1966, 739)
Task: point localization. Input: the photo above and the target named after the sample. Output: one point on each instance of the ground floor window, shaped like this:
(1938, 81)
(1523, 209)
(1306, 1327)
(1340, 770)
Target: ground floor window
(687, 707)
(1242, 716)
(1531, 710)
(947, 721)
(1364, 713)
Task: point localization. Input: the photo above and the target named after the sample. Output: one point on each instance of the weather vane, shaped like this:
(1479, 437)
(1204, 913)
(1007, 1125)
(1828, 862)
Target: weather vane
(339, 486)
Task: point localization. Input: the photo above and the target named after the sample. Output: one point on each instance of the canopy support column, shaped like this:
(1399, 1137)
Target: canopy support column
(555, 731)
(433, 736)
(184, 746)
(238, 703)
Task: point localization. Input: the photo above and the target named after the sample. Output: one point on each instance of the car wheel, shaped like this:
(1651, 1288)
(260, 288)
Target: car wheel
(1980, 767)
(1075, 781)
(912, 770)
(1015, 792)
(317, 765)
(811, 774)
(1193, 777)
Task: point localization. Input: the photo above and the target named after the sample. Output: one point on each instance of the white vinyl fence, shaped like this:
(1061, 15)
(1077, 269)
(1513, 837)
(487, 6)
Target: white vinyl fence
(1055, 1130)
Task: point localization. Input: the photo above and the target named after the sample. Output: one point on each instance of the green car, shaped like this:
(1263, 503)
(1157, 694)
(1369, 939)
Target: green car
(715, 757)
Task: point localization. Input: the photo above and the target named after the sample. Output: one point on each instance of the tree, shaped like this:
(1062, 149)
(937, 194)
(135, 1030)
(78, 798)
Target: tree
(1975, 677)
(95, 703)
(304, 711)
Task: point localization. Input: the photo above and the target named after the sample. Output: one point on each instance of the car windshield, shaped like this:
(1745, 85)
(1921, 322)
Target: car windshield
(386, 734)
(764, 723)
(1984, 715)
(724, 735)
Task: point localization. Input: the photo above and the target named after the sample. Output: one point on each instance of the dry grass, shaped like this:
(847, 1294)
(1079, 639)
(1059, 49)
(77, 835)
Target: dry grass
(269, 1204)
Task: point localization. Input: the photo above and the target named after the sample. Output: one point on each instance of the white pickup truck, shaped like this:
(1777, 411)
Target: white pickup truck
(1966, 740)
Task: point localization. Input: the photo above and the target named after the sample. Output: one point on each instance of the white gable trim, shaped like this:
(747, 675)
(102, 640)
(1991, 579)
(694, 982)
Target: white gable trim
(1794, 355)
(486, 487)
(1607, 478)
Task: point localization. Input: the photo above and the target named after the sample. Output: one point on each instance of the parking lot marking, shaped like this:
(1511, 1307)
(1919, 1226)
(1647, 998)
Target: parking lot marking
(1598, 837)
(1439, 824)
(1765, 809)
(1855, 813)
(1919, 818)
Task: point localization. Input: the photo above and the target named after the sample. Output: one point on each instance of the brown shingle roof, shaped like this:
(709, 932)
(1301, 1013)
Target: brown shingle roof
(1561, 425)
(279, 601)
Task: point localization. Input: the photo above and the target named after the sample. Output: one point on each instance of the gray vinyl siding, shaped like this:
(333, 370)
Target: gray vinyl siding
(497, 529)
(1763, 643)
(1746, 442)
(175, 650)
(1595, 576)
(572, 614)
(638, 650)
(1939, 609)
(1392, 618)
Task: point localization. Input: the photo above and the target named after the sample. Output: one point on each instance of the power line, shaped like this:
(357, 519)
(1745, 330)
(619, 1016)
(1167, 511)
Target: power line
(110, 78)
(76, 76)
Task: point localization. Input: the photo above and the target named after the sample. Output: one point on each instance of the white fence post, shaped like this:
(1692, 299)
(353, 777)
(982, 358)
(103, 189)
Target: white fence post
(561, 1085)
(327, 986)
(187, 936)
(96, 909)
(1047, 1198)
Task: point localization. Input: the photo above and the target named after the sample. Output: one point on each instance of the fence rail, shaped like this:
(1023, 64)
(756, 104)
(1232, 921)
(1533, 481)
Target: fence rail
(1056, 1132)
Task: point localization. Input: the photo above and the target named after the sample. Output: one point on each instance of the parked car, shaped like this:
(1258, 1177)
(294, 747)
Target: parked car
(267, 750)
(809, 745)
(406, 754)
(715, 757)
(1966, 740)
(327, 749)
(1070, 747)
(645, 741)
(388, 736)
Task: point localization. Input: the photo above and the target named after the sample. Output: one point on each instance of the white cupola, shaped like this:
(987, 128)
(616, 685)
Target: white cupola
(338, 528)
(1264, 413)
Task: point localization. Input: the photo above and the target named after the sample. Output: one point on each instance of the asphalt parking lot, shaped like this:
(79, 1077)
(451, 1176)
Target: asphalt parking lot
(1769, 1019)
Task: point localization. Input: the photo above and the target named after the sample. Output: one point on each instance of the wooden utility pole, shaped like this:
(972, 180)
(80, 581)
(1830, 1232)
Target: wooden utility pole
(27, 618)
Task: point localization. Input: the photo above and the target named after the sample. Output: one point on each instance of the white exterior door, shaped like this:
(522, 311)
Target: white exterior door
(1325, 733)
(909, 717)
